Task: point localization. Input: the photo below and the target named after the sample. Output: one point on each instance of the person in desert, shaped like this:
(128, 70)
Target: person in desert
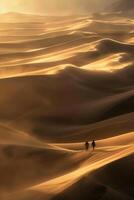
(93, 144)
(86, 145)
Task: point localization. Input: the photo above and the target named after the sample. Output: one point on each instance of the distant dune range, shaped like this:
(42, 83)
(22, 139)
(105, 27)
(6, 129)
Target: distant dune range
(65, 80)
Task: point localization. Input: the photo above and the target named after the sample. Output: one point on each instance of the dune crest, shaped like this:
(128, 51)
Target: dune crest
(64, 81)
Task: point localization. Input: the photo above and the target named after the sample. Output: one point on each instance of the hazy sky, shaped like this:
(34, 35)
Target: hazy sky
(54, 6)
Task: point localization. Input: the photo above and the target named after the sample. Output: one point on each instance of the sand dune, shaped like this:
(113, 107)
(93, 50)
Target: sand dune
(106, 186)
(53, 106)
(74, 179)
(103, 54)
(42, 42)
(65, 80)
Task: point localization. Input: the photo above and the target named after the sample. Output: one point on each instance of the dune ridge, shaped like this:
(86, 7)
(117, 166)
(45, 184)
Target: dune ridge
(65, 80)
(121, 146)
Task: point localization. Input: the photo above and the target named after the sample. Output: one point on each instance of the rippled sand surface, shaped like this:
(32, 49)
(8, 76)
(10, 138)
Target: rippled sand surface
(65, 80)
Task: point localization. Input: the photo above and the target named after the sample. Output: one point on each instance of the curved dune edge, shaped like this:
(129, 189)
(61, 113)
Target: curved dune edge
(63, 80)
(107, 151)
(45, 45)
(100, 159)
(61, 183)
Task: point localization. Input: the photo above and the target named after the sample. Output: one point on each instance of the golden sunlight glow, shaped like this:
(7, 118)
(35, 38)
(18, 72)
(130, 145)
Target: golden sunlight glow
(51, 6)
(8, 6)
(66, 85)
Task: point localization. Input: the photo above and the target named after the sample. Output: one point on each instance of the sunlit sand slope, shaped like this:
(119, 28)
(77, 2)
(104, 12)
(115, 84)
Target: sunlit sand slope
(65, 178)
(73, 102)
(39, 45)
(65, 80)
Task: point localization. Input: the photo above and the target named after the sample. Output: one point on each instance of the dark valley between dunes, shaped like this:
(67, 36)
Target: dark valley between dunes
(65, 80)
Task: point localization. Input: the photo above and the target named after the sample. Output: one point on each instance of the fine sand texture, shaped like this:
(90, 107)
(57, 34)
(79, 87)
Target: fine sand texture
(64, 81)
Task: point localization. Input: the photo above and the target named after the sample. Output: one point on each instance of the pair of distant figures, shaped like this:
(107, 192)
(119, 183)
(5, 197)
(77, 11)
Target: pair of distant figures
(93, 144)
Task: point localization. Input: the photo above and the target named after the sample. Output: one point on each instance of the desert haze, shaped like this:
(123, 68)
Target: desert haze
(65, 80)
